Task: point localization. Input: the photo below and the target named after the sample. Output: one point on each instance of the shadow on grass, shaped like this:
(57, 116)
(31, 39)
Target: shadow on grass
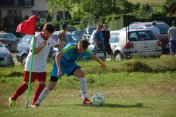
(138, 105)
(15, 74)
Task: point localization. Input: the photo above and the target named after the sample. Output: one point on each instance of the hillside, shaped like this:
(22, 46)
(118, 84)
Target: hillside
(151, 2)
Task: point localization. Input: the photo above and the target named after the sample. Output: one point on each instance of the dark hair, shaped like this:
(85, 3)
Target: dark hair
(64, 26)
(85, 43)
(49, 27)
(154, 23)
(174, 22)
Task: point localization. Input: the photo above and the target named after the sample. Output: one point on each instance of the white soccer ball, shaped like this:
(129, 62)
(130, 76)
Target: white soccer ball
(98, 99)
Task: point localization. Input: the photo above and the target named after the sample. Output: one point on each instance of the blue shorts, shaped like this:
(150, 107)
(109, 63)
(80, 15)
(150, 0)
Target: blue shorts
(173, 46)
(67, 68)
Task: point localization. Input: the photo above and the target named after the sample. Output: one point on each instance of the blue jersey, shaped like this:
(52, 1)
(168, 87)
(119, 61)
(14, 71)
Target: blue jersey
(71, 53)
(99, 36)
(68, 60)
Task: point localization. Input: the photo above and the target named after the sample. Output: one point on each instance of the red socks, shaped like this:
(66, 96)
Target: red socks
(20, 90)
(37, 93)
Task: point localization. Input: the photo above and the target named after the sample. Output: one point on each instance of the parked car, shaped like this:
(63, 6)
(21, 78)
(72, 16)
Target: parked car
(71, 29)
(70, 37)
(90, 29)
(78, 34)
(9, 40)
(88, 32)
(138, 43)
(163, 36)
(23, 48)
(101, 54)
(6, 58)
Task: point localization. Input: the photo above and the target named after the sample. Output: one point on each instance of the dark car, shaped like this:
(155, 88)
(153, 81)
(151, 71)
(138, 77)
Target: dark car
(6, 58)
(163, 36)
(9, 40)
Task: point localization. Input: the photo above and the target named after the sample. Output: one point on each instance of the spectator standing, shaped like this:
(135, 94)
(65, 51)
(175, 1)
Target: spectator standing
(62, 35)
(98, 38)
(106, 36)
(172, 38)
(154, 29)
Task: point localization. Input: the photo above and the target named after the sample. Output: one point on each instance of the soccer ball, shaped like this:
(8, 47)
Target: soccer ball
(98, 99)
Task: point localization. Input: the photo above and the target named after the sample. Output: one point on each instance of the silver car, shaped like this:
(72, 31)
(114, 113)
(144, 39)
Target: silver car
(9, 40)
(135, 43)
(6, 58)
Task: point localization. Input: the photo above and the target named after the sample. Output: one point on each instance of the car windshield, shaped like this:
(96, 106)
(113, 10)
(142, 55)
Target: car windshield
(26, 39)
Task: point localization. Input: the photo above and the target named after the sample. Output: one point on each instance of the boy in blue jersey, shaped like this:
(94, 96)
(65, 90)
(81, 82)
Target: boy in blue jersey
(65, 63)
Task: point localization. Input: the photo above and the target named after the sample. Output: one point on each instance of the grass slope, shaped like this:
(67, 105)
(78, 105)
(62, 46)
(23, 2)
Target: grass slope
(150, 2)
(132, 88)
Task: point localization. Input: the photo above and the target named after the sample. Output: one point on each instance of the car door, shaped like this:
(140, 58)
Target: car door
(149, 43)
(14, 41)
(114, 40)
(139, 46)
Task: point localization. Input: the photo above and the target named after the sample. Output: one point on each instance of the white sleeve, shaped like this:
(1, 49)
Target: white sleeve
(53, 42)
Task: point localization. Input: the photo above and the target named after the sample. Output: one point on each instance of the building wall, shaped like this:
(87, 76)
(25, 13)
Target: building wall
(39, 5)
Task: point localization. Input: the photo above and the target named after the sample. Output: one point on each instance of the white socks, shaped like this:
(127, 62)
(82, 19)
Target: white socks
(83, 87)
(45, 91)
(43, 95)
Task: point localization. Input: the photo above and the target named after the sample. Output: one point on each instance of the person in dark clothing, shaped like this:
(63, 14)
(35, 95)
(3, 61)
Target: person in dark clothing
(106, 36)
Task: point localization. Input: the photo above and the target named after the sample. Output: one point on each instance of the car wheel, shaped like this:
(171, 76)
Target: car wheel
(24, 60)
(118, 57)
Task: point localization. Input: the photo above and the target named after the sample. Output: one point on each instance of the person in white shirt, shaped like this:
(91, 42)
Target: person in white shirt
(154, 29)
(42, 45)
(172, 38)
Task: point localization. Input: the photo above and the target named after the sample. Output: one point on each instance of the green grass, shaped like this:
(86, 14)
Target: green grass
(150, 2)
(132, 88)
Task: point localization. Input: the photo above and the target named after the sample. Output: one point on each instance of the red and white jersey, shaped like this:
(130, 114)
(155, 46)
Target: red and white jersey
(40, 59)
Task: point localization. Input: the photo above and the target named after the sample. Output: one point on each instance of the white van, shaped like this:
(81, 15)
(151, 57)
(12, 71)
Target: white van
(134, 43)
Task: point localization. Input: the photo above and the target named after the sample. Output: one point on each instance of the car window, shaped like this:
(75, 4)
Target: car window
(114, 38)
(146, 35)
(26, 39)
(133, 36)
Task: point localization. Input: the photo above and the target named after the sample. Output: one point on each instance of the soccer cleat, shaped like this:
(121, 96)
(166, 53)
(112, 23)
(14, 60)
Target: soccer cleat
(35, 105)
(12, 103)
(86, 101)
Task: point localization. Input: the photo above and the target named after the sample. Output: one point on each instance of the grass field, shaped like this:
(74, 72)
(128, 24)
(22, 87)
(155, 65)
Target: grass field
(132, 88)
(150, 2)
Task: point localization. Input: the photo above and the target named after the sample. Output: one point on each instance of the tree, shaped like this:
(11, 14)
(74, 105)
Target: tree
(56, 5)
